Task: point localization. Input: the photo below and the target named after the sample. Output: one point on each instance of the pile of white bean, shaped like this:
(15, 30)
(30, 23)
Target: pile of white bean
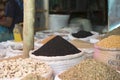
(21, 67)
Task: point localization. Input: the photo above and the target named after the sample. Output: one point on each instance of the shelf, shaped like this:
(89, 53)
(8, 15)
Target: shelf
(39, 29)
(73, 11)
(40, 10)
(73, 8)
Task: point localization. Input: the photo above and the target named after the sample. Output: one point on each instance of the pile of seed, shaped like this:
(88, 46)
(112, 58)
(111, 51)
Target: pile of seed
(82, 34)
(19, 68)
(57, 46)
(90, 70)
(112, 41)
(33, 77)
(113, 32)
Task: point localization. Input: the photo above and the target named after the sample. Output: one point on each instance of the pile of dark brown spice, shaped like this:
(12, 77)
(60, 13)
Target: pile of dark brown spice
(56, 47)
(82, 34)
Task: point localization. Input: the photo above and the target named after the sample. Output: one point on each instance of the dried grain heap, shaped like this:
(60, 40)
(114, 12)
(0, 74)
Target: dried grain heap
(57, 46)
(90, 70)
(113, 32)
(112, 41)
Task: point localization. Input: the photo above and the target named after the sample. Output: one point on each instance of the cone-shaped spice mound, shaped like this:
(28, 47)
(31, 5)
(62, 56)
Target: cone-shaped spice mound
(82, 34)
(56, 47)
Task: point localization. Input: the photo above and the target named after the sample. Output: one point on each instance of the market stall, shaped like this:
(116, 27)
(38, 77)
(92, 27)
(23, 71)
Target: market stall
(60, 55)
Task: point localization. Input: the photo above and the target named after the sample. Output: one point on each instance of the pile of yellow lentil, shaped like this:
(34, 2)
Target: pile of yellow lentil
(90, 70)
(112, 41)
(115, 31)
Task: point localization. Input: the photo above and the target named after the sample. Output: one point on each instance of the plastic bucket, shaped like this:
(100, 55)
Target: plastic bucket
(57, 22)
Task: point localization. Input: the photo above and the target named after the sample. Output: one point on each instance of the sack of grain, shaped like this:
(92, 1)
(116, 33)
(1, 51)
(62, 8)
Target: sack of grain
(9, 52)
(25, 69)
(108, 51)
(2, 53)
(110, 57)
(58, 53)
(84, 35)
(60, 63)
(89, 69)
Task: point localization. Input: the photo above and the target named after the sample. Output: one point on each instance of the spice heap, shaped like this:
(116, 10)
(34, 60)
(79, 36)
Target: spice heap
(90, 70)
(47, 39)
(112, 41)
(20, 68)
(82, 34)
(56, 47)
(113, 32)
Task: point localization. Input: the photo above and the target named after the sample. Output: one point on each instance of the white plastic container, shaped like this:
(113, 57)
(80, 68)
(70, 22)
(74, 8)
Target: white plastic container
(57, 21)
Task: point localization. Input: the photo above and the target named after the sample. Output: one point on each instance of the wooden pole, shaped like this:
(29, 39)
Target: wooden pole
(46, 7)
(28, 28)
